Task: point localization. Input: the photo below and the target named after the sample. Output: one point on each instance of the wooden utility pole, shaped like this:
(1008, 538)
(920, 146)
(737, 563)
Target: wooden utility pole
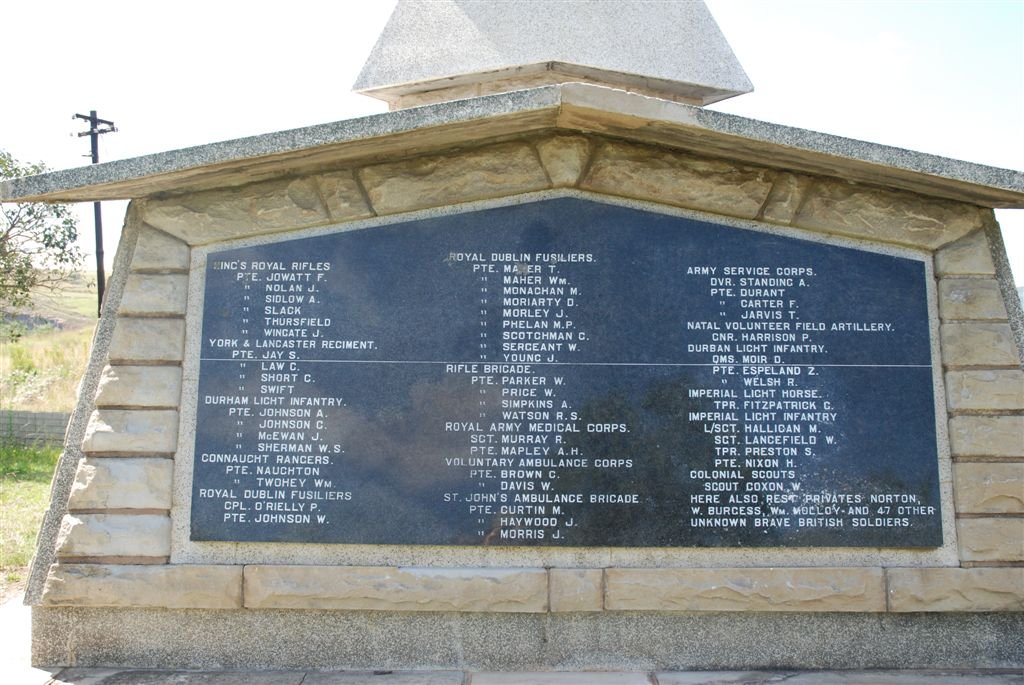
(97, 127)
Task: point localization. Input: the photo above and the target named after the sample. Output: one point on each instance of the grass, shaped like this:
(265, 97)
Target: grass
(40, 370)
(25, 474)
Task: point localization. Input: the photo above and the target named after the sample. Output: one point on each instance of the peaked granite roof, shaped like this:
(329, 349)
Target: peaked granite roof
(669, 48)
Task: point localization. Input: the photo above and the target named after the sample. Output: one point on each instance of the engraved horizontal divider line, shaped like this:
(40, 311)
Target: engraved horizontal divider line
(492, 363)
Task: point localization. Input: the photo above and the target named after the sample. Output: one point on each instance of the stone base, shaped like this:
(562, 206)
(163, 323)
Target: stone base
(629, 641)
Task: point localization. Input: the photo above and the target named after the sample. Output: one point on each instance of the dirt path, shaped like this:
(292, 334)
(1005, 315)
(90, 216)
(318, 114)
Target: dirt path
(9, 588)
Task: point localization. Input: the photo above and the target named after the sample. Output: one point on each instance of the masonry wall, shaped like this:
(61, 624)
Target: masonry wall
(113, 583)
(31, 427)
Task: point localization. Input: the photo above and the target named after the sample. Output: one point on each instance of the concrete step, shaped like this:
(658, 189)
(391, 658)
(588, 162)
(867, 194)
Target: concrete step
(102, 676)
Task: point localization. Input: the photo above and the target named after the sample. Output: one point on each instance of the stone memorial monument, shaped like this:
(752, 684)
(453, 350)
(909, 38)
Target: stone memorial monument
(548, 368)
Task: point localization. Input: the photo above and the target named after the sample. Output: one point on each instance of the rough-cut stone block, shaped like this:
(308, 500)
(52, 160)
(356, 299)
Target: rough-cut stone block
(987, 436)
(985, 390)
(158, 251)
(132, 431)
(576, 589)
(885, 215)
(154, 295)
(971, 298)
(215, 215)
(342, 197)
(745, 589)
(171, 587)
(396, 589)
(114, 535)
(969, 256)
(678, 179)
(988, 488)
(147, 340)
(437, 180)
(785, 197)
(956, 589)
(139, 386)
(122, 483)
(978, 344)
(991, 539)
(564, 158)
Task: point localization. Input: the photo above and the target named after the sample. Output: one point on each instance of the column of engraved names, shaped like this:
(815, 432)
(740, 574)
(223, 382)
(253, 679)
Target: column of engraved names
(763, 404)
(518, 443)
(276, 472)
(771, 413)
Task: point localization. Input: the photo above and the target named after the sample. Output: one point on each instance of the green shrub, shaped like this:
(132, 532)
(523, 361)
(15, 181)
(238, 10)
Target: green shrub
(21, 360)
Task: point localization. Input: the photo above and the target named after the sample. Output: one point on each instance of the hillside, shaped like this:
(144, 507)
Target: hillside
(70, 307)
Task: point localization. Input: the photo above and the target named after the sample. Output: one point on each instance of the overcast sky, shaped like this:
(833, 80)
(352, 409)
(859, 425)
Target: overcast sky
(938, 76)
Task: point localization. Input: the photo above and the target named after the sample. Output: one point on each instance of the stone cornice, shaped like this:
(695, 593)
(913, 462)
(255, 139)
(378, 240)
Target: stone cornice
(573, 107)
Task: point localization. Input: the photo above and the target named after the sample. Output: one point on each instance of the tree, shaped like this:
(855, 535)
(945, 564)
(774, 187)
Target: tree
(38, 246)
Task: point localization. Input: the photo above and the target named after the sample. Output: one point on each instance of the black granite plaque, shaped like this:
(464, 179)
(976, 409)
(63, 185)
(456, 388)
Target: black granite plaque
(565, 372)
